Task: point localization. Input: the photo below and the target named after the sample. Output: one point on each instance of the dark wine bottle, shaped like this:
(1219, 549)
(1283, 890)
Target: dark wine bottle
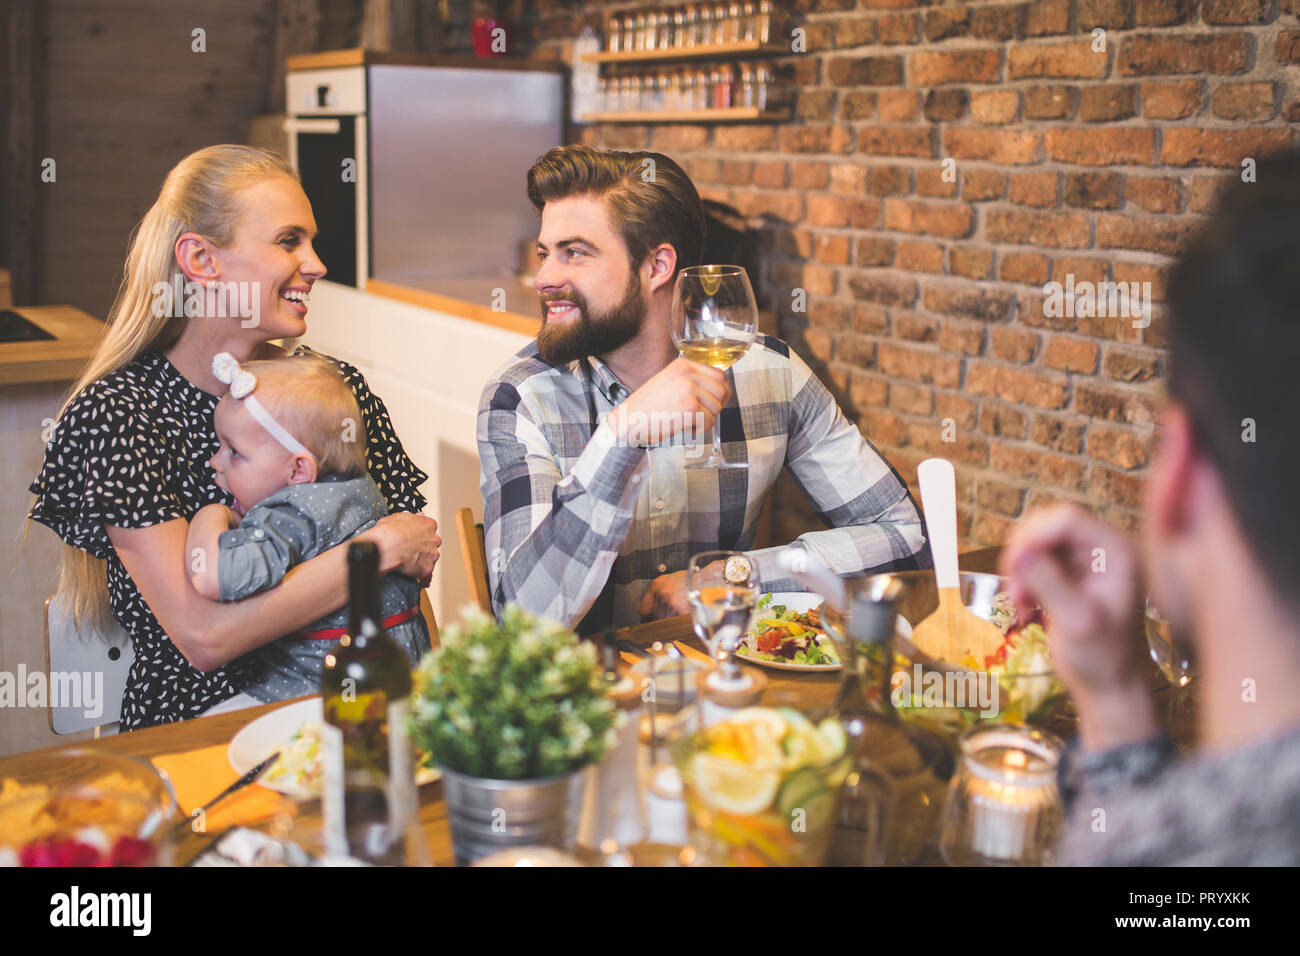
(369, 800)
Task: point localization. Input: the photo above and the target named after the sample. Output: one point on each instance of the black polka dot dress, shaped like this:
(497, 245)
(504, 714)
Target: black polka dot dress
(132, 451)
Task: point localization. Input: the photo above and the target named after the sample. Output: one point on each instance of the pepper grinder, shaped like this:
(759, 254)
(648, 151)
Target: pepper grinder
(719, 698)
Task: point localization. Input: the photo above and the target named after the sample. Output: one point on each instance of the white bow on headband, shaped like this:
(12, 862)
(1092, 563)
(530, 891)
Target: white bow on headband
(228, 371)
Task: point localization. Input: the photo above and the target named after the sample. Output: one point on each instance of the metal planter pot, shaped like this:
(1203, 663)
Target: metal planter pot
(491, 815)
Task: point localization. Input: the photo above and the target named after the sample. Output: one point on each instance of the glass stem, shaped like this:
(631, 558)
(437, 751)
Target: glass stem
(717, 440)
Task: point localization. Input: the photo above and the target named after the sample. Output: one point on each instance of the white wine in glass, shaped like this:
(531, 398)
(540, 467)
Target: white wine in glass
(720, 353)
(715, 319)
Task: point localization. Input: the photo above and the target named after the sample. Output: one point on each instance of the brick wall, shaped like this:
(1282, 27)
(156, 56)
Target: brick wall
(925, 291)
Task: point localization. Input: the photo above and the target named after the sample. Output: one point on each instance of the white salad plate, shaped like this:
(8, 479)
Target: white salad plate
(269, 733)
(805, 601)
(795, 601)
(274, 731)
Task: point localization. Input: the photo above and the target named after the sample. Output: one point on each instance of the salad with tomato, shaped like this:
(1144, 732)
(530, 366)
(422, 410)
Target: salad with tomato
(782, 635)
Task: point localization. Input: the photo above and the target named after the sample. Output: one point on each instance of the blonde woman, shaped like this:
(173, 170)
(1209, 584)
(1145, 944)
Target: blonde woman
(129, 462)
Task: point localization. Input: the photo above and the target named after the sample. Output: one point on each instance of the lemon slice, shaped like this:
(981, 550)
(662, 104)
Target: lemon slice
(832, 733)
(733, 787)
(772, 720)
(799, 724)
(816, 749)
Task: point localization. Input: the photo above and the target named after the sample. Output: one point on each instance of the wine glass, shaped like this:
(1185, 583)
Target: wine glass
(1173, 654)
(715, 319)
(723, 588)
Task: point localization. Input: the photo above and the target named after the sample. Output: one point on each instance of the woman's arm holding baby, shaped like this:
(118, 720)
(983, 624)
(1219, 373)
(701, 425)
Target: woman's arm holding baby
(202, 548)
(209, 633)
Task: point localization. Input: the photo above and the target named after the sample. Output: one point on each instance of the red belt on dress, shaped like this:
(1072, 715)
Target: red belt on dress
(334, 633)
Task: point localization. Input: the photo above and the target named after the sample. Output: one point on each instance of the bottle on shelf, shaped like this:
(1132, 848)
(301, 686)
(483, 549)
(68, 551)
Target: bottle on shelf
(765, 28)
(762, 86)
(585, 75)
(692, 18)
(369, 801)
(749, 17)
(703, 90)
(629, 32)
(705, 35)
(735, 26)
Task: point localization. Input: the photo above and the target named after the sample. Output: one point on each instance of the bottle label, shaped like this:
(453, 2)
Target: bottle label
(368, 801)
(332, 809)
(401, 767)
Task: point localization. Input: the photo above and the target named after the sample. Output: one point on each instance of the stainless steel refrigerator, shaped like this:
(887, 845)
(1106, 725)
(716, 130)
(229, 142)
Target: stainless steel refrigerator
(417, 172)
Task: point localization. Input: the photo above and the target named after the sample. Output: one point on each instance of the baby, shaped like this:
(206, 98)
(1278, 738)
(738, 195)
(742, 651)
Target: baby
(292, 502)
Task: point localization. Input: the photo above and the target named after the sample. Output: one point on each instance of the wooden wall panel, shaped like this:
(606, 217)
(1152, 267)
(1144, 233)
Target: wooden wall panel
(127, 97)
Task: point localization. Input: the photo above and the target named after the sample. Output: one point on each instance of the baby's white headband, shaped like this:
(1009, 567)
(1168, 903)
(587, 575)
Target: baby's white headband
(242, 382)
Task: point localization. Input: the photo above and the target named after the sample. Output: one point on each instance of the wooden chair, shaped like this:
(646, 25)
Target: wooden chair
(474, 547)
(426, 609)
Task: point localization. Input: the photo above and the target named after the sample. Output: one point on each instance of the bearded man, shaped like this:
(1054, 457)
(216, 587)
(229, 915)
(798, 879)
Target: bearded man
(590, 513)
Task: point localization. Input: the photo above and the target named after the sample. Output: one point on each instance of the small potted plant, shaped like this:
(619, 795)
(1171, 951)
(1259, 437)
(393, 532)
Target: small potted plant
(511, 712)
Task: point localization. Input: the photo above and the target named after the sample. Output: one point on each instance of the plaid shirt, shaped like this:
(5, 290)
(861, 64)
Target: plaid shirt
(568, 508)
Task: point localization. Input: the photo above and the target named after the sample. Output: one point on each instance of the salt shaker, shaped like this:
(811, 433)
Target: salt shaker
(614, 812)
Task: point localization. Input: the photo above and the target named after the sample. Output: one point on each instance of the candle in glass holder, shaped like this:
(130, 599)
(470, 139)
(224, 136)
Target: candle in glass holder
(1004, 805)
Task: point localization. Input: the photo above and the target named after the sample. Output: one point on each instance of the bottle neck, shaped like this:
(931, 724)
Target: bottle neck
(364, 618)
(866, 687)
(866, 684)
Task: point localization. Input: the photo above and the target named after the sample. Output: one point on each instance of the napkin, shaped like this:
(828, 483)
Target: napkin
(199, 775)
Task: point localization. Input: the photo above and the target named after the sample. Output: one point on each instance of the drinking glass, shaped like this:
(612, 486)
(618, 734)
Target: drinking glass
(762, 788)
(1173, 653)
(715, 319)
(369, 837)
(723, 588)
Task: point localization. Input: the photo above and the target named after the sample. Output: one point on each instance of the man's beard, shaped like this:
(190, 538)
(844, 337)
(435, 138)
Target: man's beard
(586, 336)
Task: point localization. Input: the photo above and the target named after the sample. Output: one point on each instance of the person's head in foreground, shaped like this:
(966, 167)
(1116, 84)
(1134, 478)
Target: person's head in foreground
(299, 424)
(1220, 552)
(616, 229)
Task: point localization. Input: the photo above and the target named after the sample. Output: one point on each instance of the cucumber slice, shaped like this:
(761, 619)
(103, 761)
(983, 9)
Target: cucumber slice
(801, 789)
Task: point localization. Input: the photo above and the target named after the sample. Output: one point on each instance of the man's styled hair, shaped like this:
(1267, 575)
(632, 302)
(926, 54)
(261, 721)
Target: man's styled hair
(649, 197)
(1234, 356)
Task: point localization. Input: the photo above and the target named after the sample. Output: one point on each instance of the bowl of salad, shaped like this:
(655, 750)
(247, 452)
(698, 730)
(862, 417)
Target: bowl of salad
(762, 787)
(1016, 683)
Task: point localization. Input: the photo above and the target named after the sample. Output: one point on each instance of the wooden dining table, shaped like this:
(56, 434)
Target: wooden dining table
(812, 691)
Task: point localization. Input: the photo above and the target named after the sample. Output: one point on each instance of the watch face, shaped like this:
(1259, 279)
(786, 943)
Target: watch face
(737, 569)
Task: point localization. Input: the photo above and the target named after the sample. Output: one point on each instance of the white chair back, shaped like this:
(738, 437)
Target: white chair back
(85, 672)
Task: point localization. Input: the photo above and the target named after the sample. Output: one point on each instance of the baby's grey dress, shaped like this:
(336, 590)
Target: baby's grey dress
(286, 528)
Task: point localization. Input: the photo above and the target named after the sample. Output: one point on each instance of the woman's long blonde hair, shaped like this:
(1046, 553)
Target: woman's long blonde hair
(202, 194)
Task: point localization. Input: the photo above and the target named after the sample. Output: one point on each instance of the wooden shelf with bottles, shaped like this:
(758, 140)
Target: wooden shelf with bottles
(671, 54)
(733, 114)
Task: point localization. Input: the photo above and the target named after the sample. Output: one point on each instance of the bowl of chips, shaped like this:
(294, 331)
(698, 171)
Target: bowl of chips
(88, 809)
